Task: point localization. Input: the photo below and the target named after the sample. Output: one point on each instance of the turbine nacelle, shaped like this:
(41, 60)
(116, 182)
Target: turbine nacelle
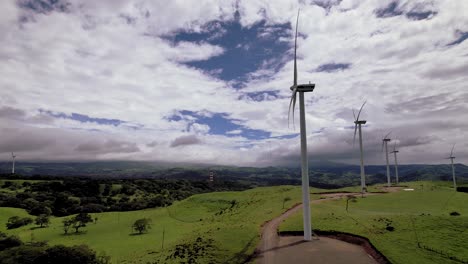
(303, 88)
(360, 122)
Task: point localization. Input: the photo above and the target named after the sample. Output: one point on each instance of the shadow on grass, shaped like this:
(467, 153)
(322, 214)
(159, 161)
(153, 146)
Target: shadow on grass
(37, 227)
(137, 234)
(79, 233)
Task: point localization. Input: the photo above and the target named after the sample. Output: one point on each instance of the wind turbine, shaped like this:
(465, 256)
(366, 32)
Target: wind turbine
(453, 168)
(357, 124)
(13, 165)
(302, 88)
(385, 141)
(396, 162)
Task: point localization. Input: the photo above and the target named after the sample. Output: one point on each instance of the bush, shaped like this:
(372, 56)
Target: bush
(16, 221)
(8, 241)
(454, 213)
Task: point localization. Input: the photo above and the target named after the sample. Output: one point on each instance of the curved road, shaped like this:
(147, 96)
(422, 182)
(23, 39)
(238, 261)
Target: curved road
(293, 249)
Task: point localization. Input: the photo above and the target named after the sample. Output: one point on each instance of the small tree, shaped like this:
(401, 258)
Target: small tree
(80, 220)
(67, 223)
(42, 220)
(286, 199)
(351, 198)
(16, 221)
(142, 225)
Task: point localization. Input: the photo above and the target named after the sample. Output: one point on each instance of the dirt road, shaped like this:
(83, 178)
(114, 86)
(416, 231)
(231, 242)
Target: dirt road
(292, 249)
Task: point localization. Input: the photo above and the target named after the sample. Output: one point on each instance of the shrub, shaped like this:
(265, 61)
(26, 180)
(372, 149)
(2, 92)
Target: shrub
(16, 221)
(454, 213)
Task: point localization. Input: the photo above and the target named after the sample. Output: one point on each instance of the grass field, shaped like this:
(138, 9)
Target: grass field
(231, 228)
(420, 216)
(228, 224)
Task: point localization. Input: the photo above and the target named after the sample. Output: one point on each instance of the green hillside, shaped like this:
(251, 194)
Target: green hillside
(420, 216)
(227, 222)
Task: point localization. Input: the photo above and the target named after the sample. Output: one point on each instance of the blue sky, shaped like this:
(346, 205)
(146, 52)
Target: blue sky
(209, 82)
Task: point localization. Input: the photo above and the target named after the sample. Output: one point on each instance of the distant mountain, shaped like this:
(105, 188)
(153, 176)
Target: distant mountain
(323, 173)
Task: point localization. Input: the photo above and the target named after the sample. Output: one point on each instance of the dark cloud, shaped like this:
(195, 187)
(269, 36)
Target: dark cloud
(14, 139)
(390, 10)
(462, 36)
(416, 15)
(11, 113)
(333, 67)
(326, 4)
(109, 146)
(44, 6)
(185, 140)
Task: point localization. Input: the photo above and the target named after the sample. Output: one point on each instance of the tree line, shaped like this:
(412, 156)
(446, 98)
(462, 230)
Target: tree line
(67, 196)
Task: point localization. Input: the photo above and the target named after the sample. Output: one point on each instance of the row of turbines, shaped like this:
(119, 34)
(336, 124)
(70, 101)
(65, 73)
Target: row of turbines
(385, 141)
(303, 88)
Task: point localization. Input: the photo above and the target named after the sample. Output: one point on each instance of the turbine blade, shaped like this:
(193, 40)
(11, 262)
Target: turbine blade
(355, 129)
(361, 110)
(354, 115)
(387, 134)
(289, 111)
(451, 152)
(383, 142)
(293, 104)
(295, 50)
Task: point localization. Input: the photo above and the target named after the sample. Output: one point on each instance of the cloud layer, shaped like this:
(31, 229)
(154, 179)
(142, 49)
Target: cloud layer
(84, 80)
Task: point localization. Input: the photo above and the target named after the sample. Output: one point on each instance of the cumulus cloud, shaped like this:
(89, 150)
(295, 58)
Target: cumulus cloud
(185, 140)
(113, 60)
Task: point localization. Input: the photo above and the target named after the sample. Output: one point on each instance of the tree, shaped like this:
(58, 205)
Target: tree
(351, 198)
(67, 222)
(142, 225)
(80, 220)
(8, 241)
(286, 199)
(16, 221)
(42, 220)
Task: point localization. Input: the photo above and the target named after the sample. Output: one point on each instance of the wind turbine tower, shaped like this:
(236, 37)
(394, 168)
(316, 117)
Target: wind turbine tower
(396, 162)
(385, 141)
(453, 169)
(302, 88)
(357, 124)
(13, 164)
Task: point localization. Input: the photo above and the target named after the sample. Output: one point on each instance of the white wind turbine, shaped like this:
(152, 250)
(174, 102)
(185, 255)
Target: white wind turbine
(357, 124)
(453, 168)
(13, 164)
(302, 88)
(385, 141)
(396, 162)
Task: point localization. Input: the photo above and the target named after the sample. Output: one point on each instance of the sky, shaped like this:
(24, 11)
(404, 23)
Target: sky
(208, 81)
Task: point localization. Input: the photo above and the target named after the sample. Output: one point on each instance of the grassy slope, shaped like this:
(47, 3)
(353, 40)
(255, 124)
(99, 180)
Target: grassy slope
(368, 217)
(235, 232)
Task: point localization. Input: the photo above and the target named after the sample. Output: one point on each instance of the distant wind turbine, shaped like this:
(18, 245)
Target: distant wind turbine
(357, 124)
(396, 162)
(13, 164)
(385, 141)
(302, 88)
(453, 168)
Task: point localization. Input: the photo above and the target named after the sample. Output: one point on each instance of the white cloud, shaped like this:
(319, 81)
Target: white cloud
(91, 61)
